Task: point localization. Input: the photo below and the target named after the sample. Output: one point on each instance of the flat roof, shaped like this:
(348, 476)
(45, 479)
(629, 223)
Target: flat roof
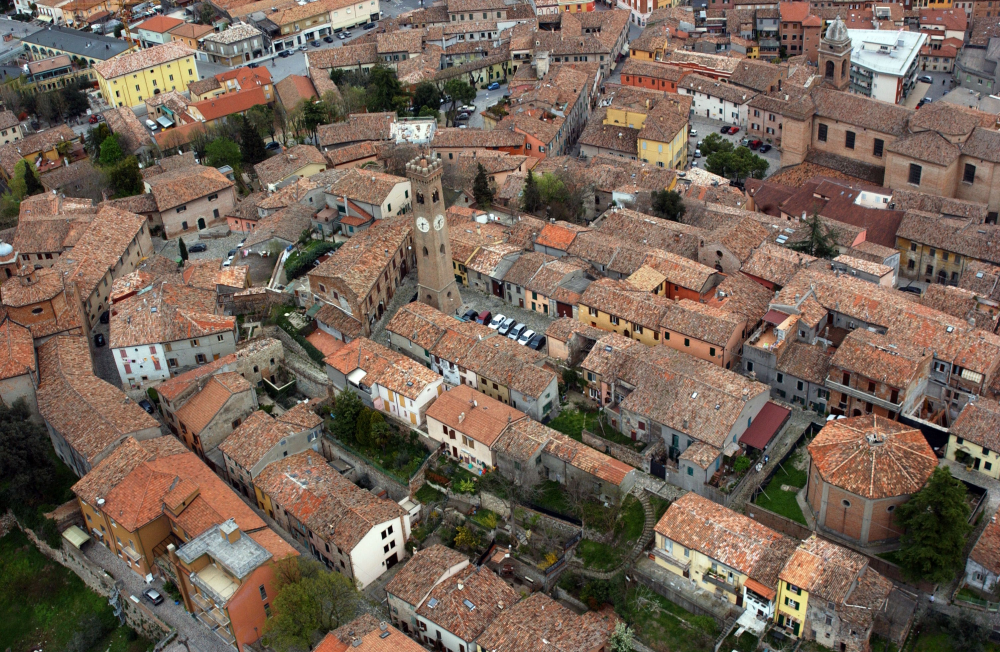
(83, 44)
(903, 49)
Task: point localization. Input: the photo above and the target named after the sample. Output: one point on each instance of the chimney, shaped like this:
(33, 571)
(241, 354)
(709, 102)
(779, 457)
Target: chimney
(461, 417)
(230, 531)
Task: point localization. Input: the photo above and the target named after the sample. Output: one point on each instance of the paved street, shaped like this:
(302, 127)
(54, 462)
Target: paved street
(484, 100)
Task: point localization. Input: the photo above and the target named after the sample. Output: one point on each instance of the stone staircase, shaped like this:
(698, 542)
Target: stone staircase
(726, 628)
(647, 535)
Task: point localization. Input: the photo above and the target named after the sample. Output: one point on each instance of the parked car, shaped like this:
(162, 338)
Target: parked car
(146, 405)
(197, 248)
(525, 337)
(497, 320)
(755, 143)
(370, 26)
(303, 47)
(341, 36)
(765, 148)
(328, 39)
(273, 146)
(229, 261)
(153, 596)
(506, 326)
(734, 130)
(105, 317)
(537, 342)
(467, 108)
(745, 142)
(724, 130)
(469, 315)
(516, 331)
(697, 153)
(99, 340)
(316, 43)
(927, 79)
(253, 64)
(93, 120)
(285, 53)
(693, 132)
(912, 289)
(484, 317)
(232, 252)
(494, 86)
(347, 34)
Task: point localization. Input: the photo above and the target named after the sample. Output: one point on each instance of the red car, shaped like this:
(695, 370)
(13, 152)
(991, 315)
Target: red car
(734, 130)
(754, 144)
(93, 120)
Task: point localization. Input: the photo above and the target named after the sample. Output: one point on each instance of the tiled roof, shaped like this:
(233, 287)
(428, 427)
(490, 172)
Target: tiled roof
(191, 30)
(332, 506)
(409, 41)
(872, 457)
(522, 439)
(468, 602)
(42, 141)
(230, 103)
(294, 89)
(727, 537)
(114, 468)
(806, 362)
(620, 299)
(473, 414)
(681, 271)
(776, 264)
(133, 135)
(88, 412)
(8, 119)
(287, 225)
(368, 186)
(261, 432)
(159, 24)
(133, 62)
(881, 358)
(282, 165)
(565, 327)
(167, 312)
(358, 128)
(740, 237)
(199, 410)
(587, 459)
(185, 184)
(423, 572)
(450, 137)
(986, 552)
(979, 423)
(171, 388)
(701, 321)
(824, 569)
(234, 34)
(17, 350)
(366, 634)
(861, 111)
(721, 89)
(540, 623)
(100, 248)
(348, 55)
(384, 367)
(360, 262)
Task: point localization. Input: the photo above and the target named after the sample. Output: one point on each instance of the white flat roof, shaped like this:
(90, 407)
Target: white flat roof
(890, 52)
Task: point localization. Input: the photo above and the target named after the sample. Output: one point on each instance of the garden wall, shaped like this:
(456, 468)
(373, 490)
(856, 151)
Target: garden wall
(396, 489)
(675, 597)
(618, 451)
(778, 522)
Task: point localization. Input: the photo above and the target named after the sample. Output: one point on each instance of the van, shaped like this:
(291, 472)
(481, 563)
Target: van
(152, 125)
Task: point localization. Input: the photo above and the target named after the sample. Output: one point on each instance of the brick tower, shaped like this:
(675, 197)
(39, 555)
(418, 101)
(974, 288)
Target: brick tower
(835, 56)
(435, 279)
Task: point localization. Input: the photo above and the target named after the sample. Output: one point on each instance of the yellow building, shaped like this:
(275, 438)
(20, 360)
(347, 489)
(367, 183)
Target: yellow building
(615, 307)
(971, 436)
(134, 77)
(663, 128)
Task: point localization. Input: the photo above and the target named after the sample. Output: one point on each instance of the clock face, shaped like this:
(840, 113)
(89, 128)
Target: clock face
(423, 224)
(439, 222)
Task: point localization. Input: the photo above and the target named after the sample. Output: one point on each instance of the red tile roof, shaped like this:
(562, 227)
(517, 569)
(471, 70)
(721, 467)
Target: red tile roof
(230, 103)
(159, 24)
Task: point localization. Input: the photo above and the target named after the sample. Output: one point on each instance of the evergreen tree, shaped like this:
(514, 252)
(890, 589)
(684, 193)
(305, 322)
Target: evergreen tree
(821, 241)
(125, 177)
(532, 198)
(668, 205)
(111, 150)
(253, 144)
(936, 519)
(481, 189)
(345, 415)
(31, 182)
(182, 249)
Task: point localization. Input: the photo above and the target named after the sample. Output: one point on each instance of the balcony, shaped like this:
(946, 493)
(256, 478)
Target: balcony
(684, 565)
(219, 617)
(131, 554)
(206, 620)
(863, 396)
(226, 636)
(717, 580)
(202, 602)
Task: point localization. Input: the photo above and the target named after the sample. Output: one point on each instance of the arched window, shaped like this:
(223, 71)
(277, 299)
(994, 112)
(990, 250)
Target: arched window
(442, 247)
(843, 68)
(829, 69)
(425, 251)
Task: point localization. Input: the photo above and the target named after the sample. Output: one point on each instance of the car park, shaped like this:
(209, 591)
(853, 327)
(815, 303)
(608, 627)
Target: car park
(497, 320)
(515, 332)
(197, 248)
(494, 86)
(525, 337)
(484, 317)
(537, 342)
(99, 340)
(469, 315)
(765, 148)
(153, 596)
(506, 326)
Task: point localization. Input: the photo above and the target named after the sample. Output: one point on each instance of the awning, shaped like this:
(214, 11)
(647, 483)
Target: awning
(76, 536)
(765, 425)
(775, 317)
(316, 307)
(165, 121)
(759, 588)
(44, 19)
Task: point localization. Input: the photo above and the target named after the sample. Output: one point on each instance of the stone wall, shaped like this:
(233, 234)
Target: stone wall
(396, 489)
(778, 522)
(624, 453)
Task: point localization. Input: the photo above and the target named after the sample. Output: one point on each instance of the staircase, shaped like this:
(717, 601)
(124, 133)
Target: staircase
(726, 628)
(647, 528)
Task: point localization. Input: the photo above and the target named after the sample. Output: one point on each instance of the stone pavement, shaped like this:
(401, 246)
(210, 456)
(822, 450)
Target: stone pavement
(199, 638)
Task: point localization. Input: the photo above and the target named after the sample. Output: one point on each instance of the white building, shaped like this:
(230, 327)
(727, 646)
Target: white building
(716, 100)
(884, 63)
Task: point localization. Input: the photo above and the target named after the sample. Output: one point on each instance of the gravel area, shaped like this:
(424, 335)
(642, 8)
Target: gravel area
(479, 301)
(199, 637)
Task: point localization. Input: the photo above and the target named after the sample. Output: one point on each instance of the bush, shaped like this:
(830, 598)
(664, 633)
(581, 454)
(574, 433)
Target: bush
(741, 464)
(49, 532)
(301, 262)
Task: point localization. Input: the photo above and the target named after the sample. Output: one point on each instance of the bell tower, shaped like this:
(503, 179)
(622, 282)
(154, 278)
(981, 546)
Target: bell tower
(435, 278)
(835, 56)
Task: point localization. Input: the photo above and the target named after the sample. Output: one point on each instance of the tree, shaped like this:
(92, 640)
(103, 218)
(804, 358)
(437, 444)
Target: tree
(26, 466)
(621, 639)
(426, 96)
(310, 602)
(352, 99)
(363, 428)
(714, 143)
(223, 151)
(314, 114)
(738, 164)
(385, 93)
(206, 14)
(821, 241)
(26, 171)
(126, 178)
(936, 520)
(182, 249)
(111, 151)
(261, 117)
(467, 537)
(531, 199)
(252, 143)
(460, 93)
(95, 138)
(668, 205)
(346, 410)
(481, 189)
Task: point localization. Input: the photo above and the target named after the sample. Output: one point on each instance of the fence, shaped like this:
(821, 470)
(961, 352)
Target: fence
(978, 603)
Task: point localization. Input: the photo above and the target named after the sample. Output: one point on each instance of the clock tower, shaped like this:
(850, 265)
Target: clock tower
(435, 278)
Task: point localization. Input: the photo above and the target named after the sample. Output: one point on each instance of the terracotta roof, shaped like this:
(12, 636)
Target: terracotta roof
(191, 30)
(287, 225)
(367, 186)
(450, 137)
(17, 351)
(159, 24)
(230, 103)
(234, 33)
(90, 414)
(872, 457)
(540, 623)
(979, 423)
(332, 506)
(133, 62)
(42, 141)
(701, 321)
(261, 432)
(806, 362)
(793, 12)
(171, 388)
(199, 410)
(281, 166)
(132, 133)
(347, 55)
(986, 552)
(775, 264)
(423, 572)
(366, 634)
(123, 460)
(167, 312)
(862, 111)
(448, 604)
(185, 184)
(740, 237)
(294, 89)
(360, 262)
(727, 537)
(473, 414)
(384, 367)
(824, 569)
(8, 119)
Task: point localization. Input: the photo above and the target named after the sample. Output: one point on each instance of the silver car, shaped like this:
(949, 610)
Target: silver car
(516, 331)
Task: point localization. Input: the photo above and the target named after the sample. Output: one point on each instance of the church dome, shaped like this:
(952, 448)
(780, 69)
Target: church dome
(837, 31)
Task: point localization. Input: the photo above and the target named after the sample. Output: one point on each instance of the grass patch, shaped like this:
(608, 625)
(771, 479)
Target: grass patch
(605, 430)
(43, 604)
(659, 506)
(551, 496)
(666, 627)
(747, 642)
(599, 556)
(485, 518)
(632, 520)
(572, 422)
(782, 502)
(428, 494)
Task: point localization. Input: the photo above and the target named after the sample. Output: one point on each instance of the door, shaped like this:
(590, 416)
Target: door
(564, 309)
(497, 289)
(520, 303)
(201, 222)
(975, 465)
(391, 561)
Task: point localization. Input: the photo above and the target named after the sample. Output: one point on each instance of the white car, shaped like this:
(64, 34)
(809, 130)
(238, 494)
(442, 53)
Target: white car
(229, 261)
(525, 337)
(495, 324)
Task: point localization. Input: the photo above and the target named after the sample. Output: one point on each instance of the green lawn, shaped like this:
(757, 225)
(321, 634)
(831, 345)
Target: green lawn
(666, 627)
(428, 494)
(782, 502)
(571, 422)
(550, 495)
(599, 556)
(43, 604)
